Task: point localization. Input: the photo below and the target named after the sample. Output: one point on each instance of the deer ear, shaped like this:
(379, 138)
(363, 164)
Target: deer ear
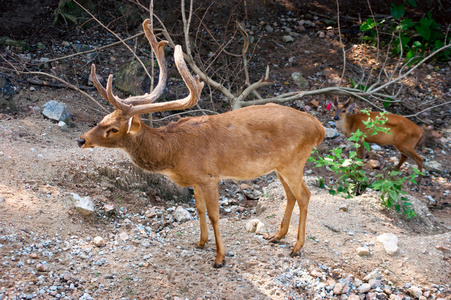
(134, 125)
(350, 108)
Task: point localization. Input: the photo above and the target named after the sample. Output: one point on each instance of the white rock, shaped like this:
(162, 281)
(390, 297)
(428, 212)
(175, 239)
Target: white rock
(84, 205)
(251, 226)
(415, 292)
(375, 274)
(331, 133)
(363, 251)
(390, 242)
(364, 288)
(376, 147)
(182, 215)
(261, 228)
(99, 241)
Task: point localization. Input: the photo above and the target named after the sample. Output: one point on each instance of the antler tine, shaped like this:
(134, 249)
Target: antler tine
(115, 100)
(192, 82)
(97, 83)
(159, 54)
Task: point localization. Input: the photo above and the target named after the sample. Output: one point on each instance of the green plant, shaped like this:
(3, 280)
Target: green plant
(412, 38)
(353, 181)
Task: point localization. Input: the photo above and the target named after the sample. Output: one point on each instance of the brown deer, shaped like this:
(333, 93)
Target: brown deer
(200, 151)
(404, 134)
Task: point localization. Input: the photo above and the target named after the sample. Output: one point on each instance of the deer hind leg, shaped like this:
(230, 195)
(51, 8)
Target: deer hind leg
(210, 200)
(296, 188)
(407, 151)
(291, 201)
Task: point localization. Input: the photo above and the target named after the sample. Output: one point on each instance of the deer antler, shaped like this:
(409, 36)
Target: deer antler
(143, 104)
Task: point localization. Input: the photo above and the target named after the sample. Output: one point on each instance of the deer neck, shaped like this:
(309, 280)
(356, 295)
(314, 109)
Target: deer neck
(148, 149)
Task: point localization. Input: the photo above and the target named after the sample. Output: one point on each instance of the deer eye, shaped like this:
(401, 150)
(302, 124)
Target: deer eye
(111, 130)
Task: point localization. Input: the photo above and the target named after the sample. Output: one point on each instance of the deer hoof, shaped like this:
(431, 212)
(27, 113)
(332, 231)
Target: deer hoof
(217, 266)
(295, 254)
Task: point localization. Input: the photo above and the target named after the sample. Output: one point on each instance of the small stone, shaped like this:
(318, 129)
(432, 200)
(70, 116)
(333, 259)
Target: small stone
(251, 225)
(99, 242)
(363, 251)
(390, 242)
(341, 288)
(84, 205)
(123, 236)
(415, 291)
(56, 111)
(434, 166)
(375, 274)
(42, 267)
(287, 39)
(343, 207)
(182, 215)
(364, 288)
(261, 229)
(331, 133)
(33, 255)
(374, 164)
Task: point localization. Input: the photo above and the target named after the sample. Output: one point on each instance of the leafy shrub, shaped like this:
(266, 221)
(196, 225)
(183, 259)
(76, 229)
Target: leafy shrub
(413, 38)
(353, 181)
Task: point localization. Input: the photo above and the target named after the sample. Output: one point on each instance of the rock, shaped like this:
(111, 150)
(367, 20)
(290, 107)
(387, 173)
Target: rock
(343, 207)
(375, 274)
(182, 215)
(57, 111)
(123, 236)
(376, 147)
(331, 133)
(354, 297)
(299, 80)
(7, 93)
(62, 125)
(42, 267)
(251, 225)
(374, 164)
(341, 288)
(415, 292)
(261, 229)
(390, 242)
(374, 283)
(364, 288)
(109, 209)
(287, 39)
(84, 205)
(268, 28)
(363, 251)
(132, 79)
(99, 242)
(434, 166)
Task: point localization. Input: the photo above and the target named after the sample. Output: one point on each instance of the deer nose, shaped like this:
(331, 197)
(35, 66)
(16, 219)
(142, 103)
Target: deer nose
(81, 142)
(336, 118)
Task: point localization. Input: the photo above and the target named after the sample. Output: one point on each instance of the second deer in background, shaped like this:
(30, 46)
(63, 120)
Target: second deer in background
(404, 134)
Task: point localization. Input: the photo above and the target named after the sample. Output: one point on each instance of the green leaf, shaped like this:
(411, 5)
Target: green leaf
(367, 146)
(332, 192)
(397, 11)
(417, 44)
(367, 25)
(386, 104)
(412, 2)
(423, 29)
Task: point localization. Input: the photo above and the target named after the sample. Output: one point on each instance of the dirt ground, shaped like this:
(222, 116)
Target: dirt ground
(42, 165)
(150, 256)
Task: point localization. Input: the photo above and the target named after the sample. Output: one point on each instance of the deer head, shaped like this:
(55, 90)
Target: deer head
(124, 121)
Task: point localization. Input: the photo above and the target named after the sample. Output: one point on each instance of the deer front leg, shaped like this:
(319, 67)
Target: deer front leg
(201, 210)
(210, 199)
